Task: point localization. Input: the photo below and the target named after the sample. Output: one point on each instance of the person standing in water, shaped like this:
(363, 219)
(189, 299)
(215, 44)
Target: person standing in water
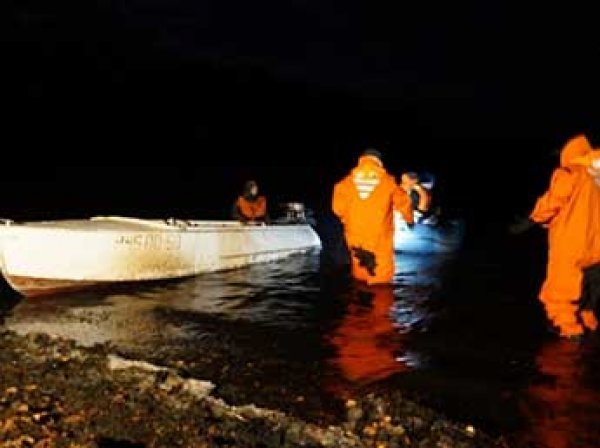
(570, 210)
(364, 201)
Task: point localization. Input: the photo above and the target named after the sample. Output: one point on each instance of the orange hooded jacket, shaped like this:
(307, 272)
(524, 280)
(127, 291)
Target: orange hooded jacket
(570, 209)
(364, 201)
(252, 210)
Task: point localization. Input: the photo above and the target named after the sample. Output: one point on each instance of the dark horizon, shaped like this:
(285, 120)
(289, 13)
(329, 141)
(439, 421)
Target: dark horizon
(166, 108)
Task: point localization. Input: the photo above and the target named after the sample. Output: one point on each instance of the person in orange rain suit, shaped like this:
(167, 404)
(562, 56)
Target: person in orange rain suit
(250, 207)
(364, 201)
(570, 209)
(365, 341)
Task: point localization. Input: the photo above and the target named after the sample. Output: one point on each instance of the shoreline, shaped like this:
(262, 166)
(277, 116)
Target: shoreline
(57, 393)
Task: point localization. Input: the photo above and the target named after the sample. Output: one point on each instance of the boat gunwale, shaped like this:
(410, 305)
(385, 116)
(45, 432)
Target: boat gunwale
(204, 227)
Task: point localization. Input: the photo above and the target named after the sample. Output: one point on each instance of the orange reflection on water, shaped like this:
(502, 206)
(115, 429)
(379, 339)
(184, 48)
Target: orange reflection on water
(365, 341)
(562, 410)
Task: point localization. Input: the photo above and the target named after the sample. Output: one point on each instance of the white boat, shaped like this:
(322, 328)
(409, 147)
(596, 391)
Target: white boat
(46, 257)
(429, 236)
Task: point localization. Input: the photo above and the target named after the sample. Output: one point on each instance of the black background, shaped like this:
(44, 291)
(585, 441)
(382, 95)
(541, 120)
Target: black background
(164, 108)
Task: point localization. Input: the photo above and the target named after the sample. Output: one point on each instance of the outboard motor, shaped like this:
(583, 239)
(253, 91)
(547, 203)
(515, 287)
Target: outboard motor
(294, 211)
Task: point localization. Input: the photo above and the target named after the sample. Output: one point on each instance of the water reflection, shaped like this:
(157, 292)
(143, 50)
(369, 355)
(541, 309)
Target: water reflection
(369, 340)
(561, 405)
(92, 318)
(365, 342)
(275, 294)
(418, 279)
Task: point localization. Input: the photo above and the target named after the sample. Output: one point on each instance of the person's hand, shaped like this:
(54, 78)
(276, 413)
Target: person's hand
(521, 224)
(366, 259)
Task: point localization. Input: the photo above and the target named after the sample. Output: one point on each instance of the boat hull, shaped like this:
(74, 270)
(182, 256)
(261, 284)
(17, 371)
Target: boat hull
(32, 287)
(43, 258)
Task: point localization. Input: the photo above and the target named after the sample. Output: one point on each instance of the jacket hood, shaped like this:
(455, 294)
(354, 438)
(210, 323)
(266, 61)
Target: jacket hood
(574, 149)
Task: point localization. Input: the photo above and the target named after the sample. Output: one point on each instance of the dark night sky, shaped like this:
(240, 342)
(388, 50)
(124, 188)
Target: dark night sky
(108, 103)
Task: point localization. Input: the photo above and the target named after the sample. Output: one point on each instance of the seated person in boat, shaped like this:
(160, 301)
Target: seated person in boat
(419, 195)
(250, 207)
